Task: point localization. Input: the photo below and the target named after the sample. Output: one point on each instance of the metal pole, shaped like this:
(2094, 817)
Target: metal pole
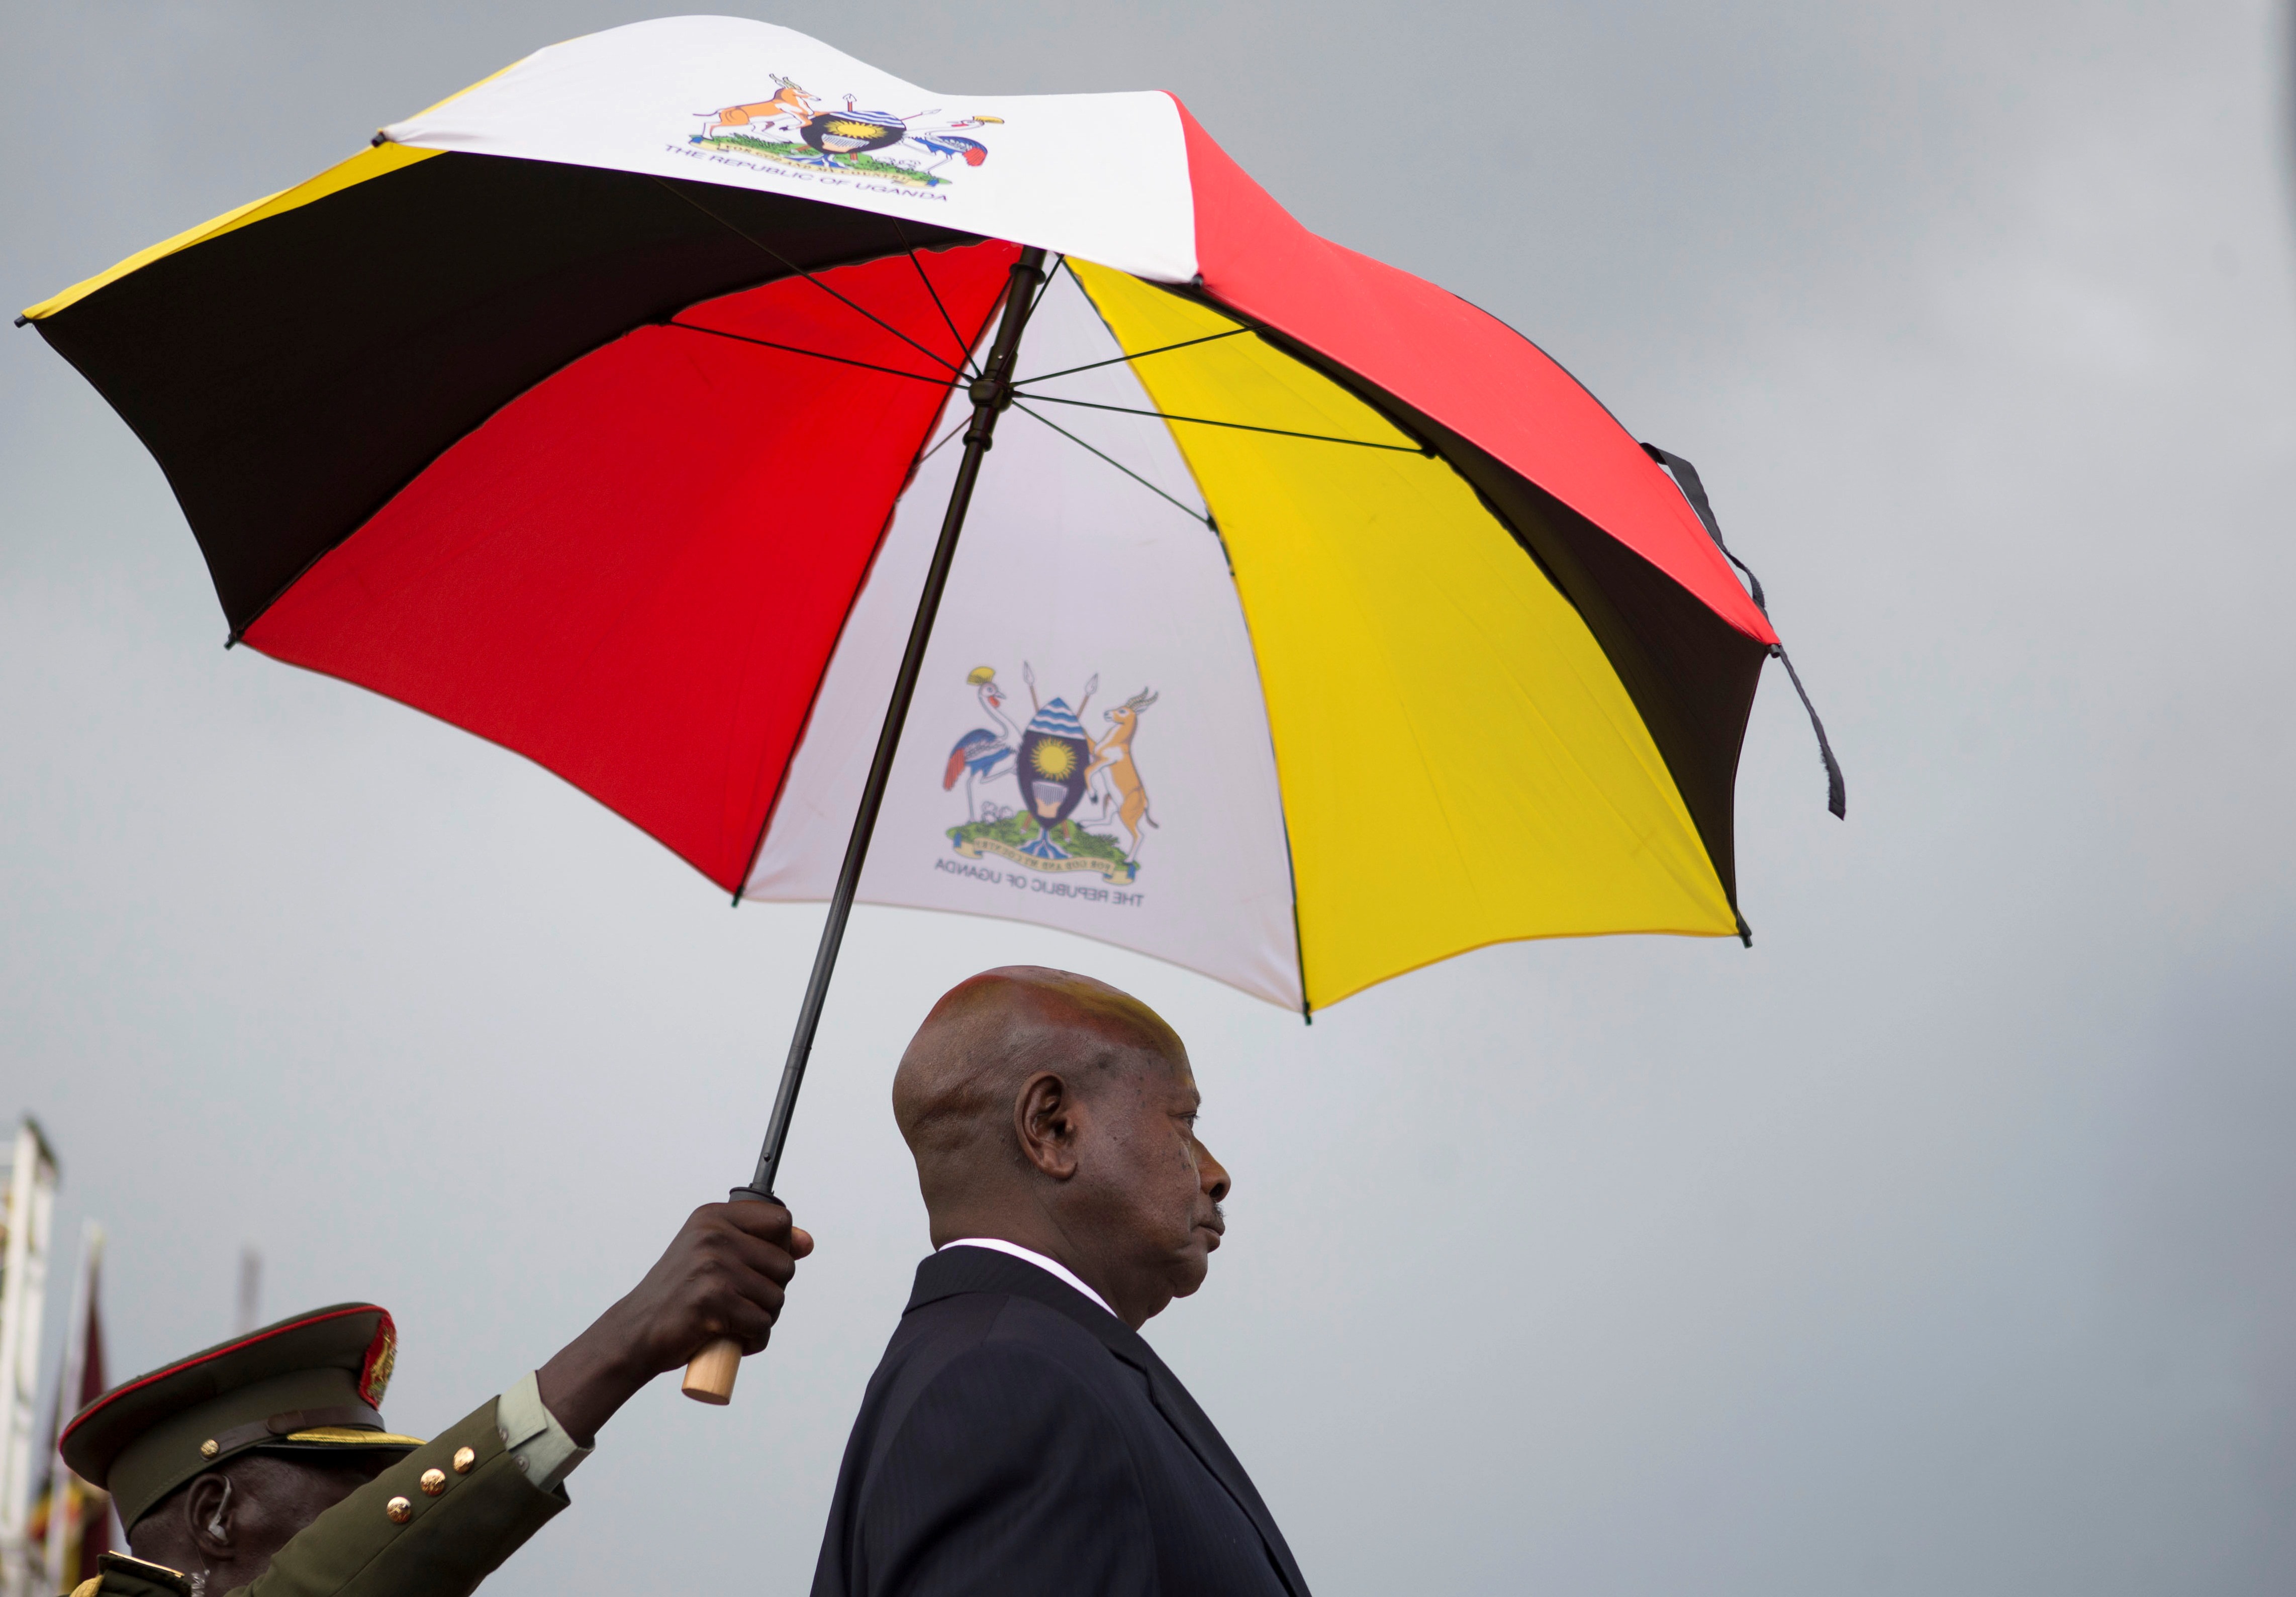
(24, 1286)
(990, 393)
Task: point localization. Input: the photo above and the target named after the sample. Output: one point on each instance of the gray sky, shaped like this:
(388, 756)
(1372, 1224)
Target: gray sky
(1940, 1242)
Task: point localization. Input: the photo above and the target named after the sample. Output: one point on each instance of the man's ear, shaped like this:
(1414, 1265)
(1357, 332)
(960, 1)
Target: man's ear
(1047, 1118)
(210, 1511)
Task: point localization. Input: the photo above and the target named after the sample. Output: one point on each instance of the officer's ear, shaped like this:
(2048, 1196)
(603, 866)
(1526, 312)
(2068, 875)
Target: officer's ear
(210, 1511)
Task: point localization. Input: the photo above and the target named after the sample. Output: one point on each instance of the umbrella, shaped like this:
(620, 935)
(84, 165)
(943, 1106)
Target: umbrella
(1308, 624)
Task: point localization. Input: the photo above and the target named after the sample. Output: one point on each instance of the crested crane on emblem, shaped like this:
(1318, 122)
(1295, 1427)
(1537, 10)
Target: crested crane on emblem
(982, 755)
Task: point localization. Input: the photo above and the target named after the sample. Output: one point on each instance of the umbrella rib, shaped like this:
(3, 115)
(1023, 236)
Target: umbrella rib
(1281, 432)
(741, 338)
(947, 321)
(1144, 354)
(1046, 287)
(954, 428)
(793, 266)
(1112, 460)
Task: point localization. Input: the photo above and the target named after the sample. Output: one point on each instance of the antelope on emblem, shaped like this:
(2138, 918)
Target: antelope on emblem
(789, 102)
(1118, 777)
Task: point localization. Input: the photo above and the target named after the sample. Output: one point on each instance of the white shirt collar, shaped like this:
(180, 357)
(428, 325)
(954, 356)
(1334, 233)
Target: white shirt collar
(1053, 1267)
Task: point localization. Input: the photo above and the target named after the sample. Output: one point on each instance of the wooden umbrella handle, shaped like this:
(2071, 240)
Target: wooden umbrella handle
(709, 1378)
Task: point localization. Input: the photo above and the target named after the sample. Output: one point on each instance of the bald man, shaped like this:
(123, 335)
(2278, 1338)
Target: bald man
(1018, 1436)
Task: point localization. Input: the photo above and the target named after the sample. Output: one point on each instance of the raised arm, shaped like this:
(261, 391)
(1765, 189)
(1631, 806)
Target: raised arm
(442, 1519)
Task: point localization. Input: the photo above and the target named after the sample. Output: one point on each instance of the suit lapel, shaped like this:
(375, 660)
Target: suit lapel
(981, 1269)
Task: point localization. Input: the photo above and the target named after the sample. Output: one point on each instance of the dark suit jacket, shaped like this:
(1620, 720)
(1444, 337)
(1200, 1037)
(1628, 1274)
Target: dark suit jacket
(1018, 1438)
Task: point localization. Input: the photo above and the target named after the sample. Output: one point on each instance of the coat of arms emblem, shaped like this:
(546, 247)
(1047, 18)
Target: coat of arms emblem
(791, 129)
(1051, 769)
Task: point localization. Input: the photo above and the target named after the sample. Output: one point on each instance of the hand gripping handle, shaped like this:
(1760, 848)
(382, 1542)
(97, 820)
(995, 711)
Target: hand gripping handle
(709, 1374)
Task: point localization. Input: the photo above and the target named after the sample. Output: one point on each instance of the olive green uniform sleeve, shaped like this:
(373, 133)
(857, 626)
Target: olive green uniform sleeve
(398, 1536)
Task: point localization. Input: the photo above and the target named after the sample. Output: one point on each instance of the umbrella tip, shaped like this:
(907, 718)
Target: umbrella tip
(379, 138)
(1745, 932)
(23, 321)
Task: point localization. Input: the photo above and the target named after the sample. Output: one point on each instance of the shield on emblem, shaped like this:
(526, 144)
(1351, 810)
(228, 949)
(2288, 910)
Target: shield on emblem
(1053, 755)
(852, 132)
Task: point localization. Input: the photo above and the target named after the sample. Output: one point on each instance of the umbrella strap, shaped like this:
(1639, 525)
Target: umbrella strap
(1686, 476)
(1686, 479)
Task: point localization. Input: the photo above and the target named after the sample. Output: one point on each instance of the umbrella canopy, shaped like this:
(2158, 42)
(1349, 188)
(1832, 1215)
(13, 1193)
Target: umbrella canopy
(1309, 624)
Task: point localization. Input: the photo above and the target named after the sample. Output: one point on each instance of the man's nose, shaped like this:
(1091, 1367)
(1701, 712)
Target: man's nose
(1212, 1174)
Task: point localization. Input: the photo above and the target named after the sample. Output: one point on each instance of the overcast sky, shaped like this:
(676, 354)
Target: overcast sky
(1941, 1243)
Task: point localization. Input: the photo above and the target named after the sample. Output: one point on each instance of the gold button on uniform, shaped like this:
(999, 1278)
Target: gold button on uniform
(464, 1459)
(208, 1449)
(399, 1511)
(434, 1481)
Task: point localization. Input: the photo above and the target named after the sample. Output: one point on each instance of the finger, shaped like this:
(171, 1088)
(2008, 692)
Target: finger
(749, 1324)
(760, 1281)
(724, 1289)
(801, 1242)
(765, 1258)
(722, 1225)
(728, 1262)
(767, 1221)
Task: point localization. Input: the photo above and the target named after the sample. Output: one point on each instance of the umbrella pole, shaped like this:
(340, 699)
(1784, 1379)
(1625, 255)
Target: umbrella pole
(709, 1378)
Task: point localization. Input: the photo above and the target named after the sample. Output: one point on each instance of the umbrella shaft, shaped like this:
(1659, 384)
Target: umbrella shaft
(989, 396)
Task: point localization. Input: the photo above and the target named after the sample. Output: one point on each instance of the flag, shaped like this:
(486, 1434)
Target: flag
(71, 1520)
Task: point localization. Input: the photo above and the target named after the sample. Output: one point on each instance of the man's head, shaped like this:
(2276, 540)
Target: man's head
(216, 1460)
(230, 1522)
(1051, 1111)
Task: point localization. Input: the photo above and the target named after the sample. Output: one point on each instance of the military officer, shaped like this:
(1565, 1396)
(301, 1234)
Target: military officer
(263, 1466)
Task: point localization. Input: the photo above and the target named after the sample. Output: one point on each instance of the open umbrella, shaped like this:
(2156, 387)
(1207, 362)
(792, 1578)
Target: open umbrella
(1309, 625)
